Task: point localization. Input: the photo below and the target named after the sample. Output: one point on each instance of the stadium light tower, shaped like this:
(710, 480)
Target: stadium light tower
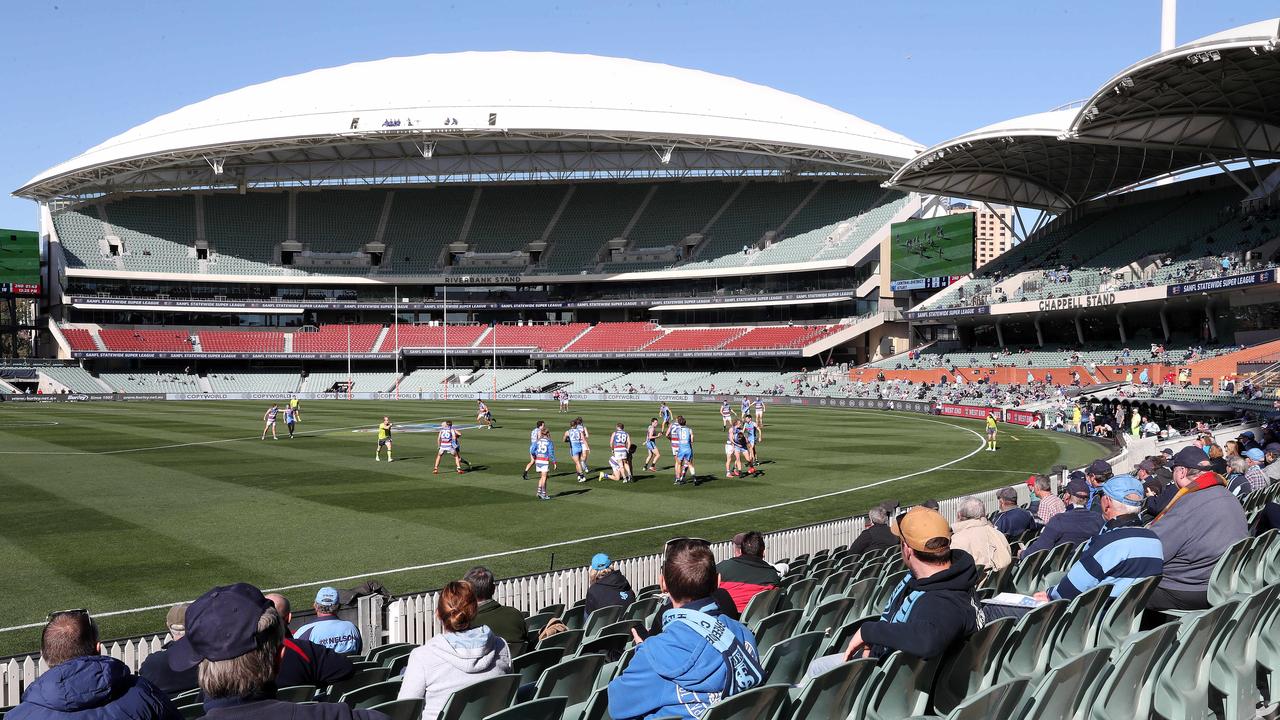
(1168, 24)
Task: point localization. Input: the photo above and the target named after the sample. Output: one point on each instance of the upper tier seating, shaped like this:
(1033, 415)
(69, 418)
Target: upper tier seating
(333, 339)
(146, 340)
(548, 338)
(509, 217)
(234, 341)
(79, 338)
(244, 231)
(595, 215)
(421, 226)
(778, 336)
(695, 339)
(432, 336)
(616, 337)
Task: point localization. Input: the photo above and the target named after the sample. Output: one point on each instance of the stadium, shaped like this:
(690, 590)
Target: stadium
(552, 236)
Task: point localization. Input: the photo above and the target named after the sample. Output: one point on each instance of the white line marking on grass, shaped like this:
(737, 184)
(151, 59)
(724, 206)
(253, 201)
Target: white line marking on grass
(489, 556)
(28, 423)
(189, 444)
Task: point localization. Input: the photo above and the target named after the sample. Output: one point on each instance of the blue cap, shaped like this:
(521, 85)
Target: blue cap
(600, 561)
(327, 596)
(1124, 488)
(1255, 454)
(221, 624)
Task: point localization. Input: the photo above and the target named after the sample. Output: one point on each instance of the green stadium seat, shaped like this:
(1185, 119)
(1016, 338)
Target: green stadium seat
(191, 711)
(1066, 692)
(759, 702)
(600, 618)
(787, 661)
(573, 679)
(643, 608)
(1071, 634)
(1268, 651)
(293, 693)
(569, 640)
(760, 606)
(775, 628)
(607, 644)
(370, 695)
(832, 694)
(1222, 581)
(829, 615)
(401, 709)
(1128, 688)
(798, 594)
(1182, 689)
(547, 708)
(1026, 654)
(361, 679)
(1124, 614)
(898, 689)
(997, 701)
(481, 699)
(972, 667)
(531, 665)
(1233, 669)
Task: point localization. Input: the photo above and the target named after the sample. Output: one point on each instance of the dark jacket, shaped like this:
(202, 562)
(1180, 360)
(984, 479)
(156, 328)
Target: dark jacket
(1014, 521)
(505, 622)
(925, 617)
(608, 590)
(170, 682)
(744, 576)
(1073, 526)
(876, 537)
(91, 688)
(268, 708)
(306, 663)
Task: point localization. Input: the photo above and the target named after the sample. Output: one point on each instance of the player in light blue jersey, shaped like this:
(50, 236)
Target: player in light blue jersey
(533, 438)
(573, 436)
(683, 435)
(290, 418)
(735, 446)
(270, 419)
(543, 453)
(664, 413)
(744, 408)
(752, 433)
(651, 445)
(619, 455)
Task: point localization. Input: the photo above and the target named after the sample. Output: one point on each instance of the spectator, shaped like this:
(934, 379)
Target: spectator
(235, 637)
(156, 667)
(1049, 504)
(746, 573)
(1273, 462)
(933, 608)
(339, 636)
(1235, 480)
(507, 623)
(877, 536)
(1073, 525)
(1098, 472)
(1011, 520)
(305, 662)
(974, 534)
(82, 683)
(1123, 554)
(608, 586)
(1253, 474)
(463, 655)
(1197, 526)
(680, 672)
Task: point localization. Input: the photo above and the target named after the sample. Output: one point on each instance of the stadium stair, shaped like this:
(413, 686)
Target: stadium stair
(382, 337)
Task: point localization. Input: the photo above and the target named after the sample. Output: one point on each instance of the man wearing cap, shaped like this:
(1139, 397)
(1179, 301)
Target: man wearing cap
(746, 573)
(1098, 472)
(1197, 526)
(933, 608)
(1248, 441)
(876, 536)
(1124, 553)
(506, 622)
(304, 662)
(1073, 525)
(235, 638)
(1253, 473)
(608, 586)
(1272, 470)
(340, 636)
(1012, 520)
(83, 683)
(156, 667)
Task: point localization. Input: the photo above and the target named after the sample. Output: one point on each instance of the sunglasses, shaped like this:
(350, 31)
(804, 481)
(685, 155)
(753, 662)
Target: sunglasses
(60, 613)
(685, 540)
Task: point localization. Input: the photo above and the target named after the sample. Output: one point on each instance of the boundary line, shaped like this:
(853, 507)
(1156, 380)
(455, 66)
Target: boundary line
(547, 546)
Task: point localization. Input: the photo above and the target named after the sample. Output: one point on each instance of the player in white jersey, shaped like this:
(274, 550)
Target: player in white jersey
(564, 401)
(735, 445)
(270, 419)
(448, 445)
(651, 436)
(726, 415)
(586, 445)
(533, 438)
(483, 416)
(619, 455)
(543, 452)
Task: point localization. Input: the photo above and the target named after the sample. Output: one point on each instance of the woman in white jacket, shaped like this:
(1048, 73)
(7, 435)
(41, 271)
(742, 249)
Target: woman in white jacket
(459, 657)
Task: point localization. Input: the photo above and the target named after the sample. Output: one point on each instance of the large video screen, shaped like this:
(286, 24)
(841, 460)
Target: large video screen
(19, 262)
(928, 253)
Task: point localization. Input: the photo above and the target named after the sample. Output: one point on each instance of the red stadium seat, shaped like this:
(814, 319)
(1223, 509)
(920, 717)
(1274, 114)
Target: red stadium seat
(333, 339)
(147, 340)
(79, 338)
(781, 336)
(432, 336)
(239, 341)
(695, 339)
(616, 337)
(547, 338)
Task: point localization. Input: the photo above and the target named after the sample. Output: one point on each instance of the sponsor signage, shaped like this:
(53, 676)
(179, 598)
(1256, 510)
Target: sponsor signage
(1231, 282)
(967, 411)
(84, 397)
(1020, 417)
(948, 312)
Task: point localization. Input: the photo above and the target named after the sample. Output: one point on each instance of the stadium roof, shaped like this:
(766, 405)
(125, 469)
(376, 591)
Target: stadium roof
(480, 115)
(1209, 102)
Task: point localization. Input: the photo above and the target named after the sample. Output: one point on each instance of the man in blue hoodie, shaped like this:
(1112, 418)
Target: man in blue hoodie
(81, 683)
(699, 657)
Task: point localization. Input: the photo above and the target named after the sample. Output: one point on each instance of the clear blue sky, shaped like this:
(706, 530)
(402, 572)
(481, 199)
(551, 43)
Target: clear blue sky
(76, 72)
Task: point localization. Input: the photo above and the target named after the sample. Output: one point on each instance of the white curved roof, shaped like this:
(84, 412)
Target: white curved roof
(471, 93)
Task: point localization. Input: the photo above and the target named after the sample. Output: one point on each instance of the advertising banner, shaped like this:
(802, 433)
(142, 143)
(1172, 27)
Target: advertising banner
(1230, 282)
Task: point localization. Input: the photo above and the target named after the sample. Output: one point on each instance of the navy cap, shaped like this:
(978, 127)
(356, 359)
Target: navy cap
(1098, 467)
(1078, 487)
(1075, 475)
(1191, 457)
(221, 624)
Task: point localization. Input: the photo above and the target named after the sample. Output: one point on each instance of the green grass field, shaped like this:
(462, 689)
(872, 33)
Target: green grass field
(115, 506)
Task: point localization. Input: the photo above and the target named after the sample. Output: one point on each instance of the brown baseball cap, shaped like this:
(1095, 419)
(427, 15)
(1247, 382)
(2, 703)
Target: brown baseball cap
(920, 525)
(176, 620)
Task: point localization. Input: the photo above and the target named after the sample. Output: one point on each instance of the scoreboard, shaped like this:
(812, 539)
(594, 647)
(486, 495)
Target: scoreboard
(19, 262)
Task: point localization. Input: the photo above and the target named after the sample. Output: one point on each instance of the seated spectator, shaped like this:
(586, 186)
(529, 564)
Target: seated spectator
(82, 683)
(1073, 525)
(340, 636)
(235, 637)
(1047, 504)
(700, 657)
(933, 607)
(1195, 528)
(507, 623)
(877, 536)
(1235, 480)
(1098, 472)
(1273, 462)
(462, 655)
(1123, 554)
(974, 534)
(746, 573)
(1011, 520)
(608, 586)
(1254, 474)
(305, 662)
(156, 667)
